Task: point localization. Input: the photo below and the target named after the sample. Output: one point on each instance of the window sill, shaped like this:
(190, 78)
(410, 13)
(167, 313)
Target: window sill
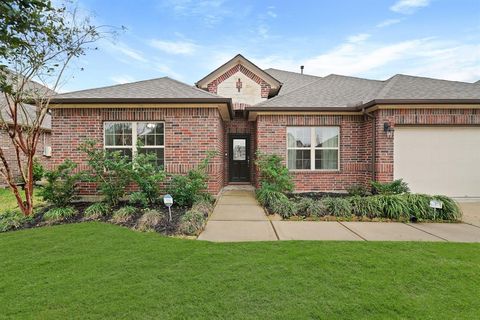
(314, 171)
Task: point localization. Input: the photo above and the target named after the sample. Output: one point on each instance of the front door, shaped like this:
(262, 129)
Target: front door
(239, 158)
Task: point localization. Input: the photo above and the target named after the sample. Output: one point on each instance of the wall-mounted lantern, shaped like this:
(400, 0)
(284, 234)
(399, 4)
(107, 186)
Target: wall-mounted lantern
(388, 129)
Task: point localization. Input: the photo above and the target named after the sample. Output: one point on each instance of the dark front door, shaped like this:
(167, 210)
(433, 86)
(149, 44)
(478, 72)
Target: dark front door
(239, 157)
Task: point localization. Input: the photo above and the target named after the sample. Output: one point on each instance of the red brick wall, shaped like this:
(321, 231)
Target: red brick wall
(9, 152)
(354, 165)
(384, 144)
(189, 134)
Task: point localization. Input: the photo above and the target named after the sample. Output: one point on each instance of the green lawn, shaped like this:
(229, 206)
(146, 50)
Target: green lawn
(8, 201)
(95, 270)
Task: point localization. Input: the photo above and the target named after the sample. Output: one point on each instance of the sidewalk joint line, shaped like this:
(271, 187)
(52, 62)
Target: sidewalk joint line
(432, 234)
(340, 222)
(274, 230)
(471, 224)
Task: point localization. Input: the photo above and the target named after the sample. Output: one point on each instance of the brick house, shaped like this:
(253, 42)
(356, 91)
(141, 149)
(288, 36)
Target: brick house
(332, 131)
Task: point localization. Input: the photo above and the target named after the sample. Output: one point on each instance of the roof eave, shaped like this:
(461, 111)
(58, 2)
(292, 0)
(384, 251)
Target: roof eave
(227, 101)
(418, 101)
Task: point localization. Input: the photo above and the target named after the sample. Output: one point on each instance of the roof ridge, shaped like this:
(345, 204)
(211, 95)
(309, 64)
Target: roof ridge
(293, 72)
(287, 94)
(387, 87)
(113, 85)
(351, 77)
(430, 78)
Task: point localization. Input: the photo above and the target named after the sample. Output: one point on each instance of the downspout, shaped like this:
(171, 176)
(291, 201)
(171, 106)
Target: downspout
(374, 132)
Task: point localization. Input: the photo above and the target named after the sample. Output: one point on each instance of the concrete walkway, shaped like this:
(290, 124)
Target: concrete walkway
(238, 217)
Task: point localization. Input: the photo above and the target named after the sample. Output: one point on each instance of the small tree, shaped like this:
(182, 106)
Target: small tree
(192, 187)
(148, 176)
(273, 174)
(110, 170)
(37, 42)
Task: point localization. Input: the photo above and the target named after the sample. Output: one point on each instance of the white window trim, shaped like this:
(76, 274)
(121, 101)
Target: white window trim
(312, 149)
(134, 138)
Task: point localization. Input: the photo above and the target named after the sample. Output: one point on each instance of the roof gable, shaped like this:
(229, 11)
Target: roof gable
(245, 66)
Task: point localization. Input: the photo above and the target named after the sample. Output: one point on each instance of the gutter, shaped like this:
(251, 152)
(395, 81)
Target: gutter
(227, 101)
(362, 107)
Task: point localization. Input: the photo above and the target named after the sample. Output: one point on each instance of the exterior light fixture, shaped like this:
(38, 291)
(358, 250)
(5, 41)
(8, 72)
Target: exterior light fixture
(388, 129)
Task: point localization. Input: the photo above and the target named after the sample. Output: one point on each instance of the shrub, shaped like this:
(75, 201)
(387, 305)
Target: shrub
(59, 214)
(267, 194)
(203, 206)
(97, 210)
(338, 207)
(61, 184)
(12, 219)
(148, 177)
(38, 170)
(283, 206)
(273, 173)
(150, 220)
(357, 190)
(365, 206)
(112, 171)
(124, 215)
(388, 188)
(450, 209)
(307, 207)
(393, 206)
(192, 222)
(138, 199)
(192, 187)
(419, 206)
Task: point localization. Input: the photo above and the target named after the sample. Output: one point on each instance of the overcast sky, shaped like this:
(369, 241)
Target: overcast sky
(186, 39)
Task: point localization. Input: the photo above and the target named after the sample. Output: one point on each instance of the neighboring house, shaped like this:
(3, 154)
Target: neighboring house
(332, 131)
(43, 152)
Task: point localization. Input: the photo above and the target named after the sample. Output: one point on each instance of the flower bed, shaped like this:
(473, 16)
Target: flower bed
(155, 219)
(113, 173)
(396, 207)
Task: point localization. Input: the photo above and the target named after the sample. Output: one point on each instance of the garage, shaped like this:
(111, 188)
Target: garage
(439, 160)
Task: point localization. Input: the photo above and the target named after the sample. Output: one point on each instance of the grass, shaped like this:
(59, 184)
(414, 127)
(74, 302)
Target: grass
(8, 201)
(100, 271)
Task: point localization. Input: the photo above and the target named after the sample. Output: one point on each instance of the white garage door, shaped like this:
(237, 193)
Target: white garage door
(439, 160)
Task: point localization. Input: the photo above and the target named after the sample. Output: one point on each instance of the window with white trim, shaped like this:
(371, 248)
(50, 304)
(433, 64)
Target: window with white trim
(313, 148)
(131, 138)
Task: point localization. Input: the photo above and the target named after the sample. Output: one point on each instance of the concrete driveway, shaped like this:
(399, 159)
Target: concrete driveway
(471, 211)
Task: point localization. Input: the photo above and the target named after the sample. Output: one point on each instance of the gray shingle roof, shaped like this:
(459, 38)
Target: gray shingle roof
(410, 87)
(32, 90)
(331, 91)
(290, 80)
(155, 88)
(342, 91)
(25, 118)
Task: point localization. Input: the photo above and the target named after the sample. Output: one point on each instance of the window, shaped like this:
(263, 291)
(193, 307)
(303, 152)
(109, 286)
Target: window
(131, 138)
(313, 148)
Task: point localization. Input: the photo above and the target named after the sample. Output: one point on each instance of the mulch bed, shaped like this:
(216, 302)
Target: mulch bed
(166, 227)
